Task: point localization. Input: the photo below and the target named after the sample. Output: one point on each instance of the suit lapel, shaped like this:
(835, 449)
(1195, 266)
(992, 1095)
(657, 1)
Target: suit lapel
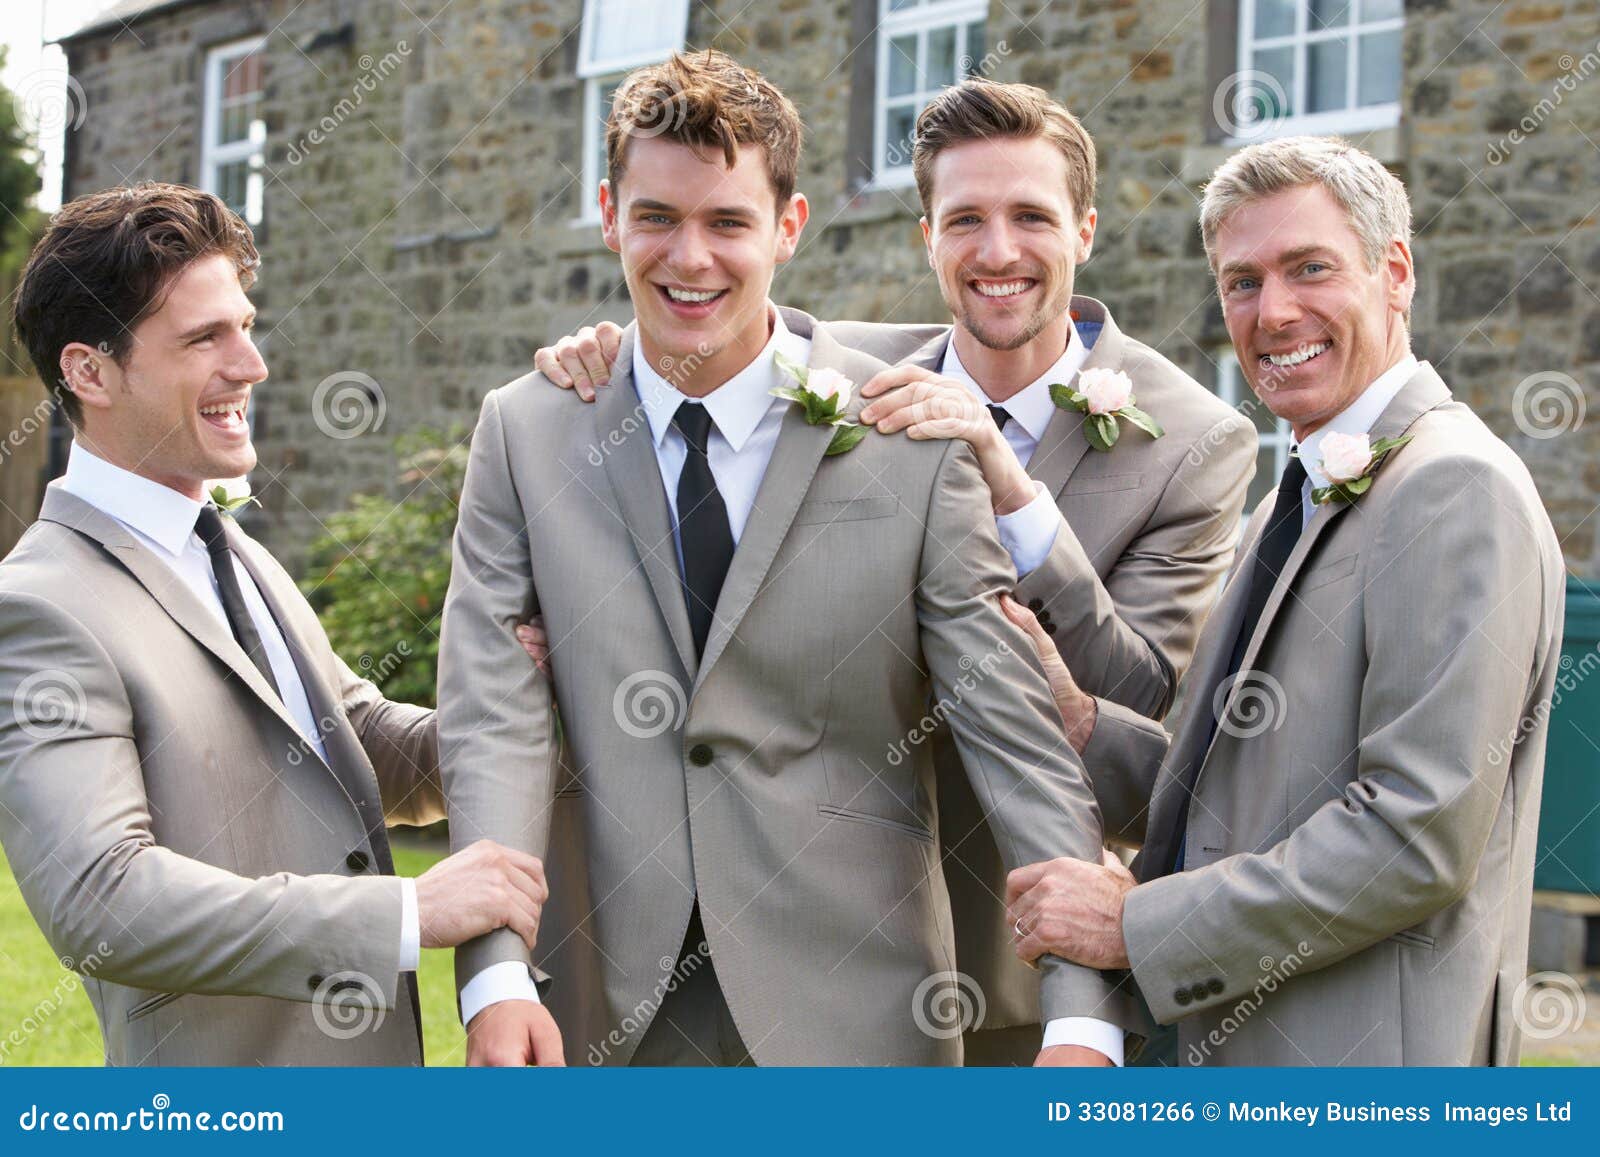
(346, 758)
(930, 355)
(168, 590)
(636, 479)
(794, 463)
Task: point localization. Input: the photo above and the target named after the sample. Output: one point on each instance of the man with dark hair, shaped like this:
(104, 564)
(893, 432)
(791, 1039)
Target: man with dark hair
(749, 874)
(193, 787)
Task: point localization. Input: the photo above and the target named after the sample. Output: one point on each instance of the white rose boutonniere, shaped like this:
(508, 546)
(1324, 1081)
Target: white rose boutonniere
(1103, 396)
(229, 494)
(823, 394)
(1350, 462)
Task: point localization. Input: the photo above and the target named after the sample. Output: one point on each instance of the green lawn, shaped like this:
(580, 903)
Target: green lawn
(45, 1018)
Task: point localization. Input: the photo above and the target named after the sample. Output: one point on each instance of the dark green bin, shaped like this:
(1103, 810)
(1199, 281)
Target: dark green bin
(1569, 857)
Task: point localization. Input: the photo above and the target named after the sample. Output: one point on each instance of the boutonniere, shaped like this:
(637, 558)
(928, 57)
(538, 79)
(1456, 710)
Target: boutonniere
(1351, 462)
(1102, 396)
(824, 394)
(231, 494)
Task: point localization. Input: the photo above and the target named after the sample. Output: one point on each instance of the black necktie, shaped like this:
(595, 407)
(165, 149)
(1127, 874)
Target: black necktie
(1000, 415)
(209, 527)
(703, 532)
(1271, 555)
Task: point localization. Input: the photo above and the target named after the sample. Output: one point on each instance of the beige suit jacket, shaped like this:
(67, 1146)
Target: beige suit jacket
(783, 779)
(227, 895)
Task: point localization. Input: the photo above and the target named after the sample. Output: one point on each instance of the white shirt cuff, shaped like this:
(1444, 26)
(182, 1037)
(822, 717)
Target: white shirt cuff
(410, 926)
(508, 980)
(1088, 1032)
(1029, 533)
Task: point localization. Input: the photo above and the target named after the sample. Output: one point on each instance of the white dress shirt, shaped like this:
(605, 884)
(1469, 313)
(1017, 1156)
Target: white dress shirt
(1029, 533)
(163, 521)
(1356, 418)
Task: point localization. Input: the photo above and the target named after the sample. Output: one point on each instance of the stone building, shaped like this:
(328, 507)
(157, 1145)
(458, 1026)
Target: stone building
(421, 174)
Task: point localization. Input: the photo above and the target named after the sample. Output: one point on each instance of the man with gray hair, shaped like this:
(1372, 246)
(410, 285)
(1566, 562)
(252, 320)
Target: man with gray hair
(1338, 859)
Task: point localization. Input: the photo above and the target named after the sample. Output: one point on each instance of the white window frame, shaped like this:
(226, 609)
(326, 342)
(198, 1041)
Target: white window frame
(1236, 392)
(1333, 121)
(922, 19)
(596, 73)
(252, 149)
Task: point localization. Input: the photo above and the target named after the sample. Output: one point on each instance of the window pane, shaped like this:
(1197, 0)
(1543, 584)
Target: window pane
(235, 122)
(903, 65)
(976, 47)
(941, 57)
(1329, 14)
(1378, 69)
(607, 89)
(634, 28)
(1382, 10)
(900, 123)
(1277, 63)
(233, 184)
(241, 76)
(1327, 75)
(902, 5)
(1274, 18)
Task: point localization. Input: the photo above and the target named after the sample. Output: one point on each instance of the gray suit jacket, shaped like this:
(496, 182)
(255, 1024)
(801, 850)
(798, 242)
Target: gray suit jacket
(1360, 845)
(1150, 530)
(782, 780)
(227, 895)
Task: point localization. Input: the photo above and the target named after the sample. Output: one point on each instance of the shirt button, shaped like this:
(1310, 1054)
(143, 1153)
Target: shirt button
(700, 755)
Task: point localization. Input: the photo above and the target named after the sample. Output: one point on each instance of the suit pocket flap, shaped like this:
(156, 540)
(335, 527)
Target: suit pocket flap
(150, 1004)
(1413, 938)
(831, 811)
(850, 510)
(1329, 572)
(1103, 484)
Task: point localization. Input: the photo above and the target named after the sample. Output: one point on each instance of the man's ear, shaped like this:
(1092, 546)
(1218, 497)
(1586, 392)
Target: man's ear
(1086, 234)
(91, 374)
(791, 223)
(1402, 276)
(927, 239)
(608, 216)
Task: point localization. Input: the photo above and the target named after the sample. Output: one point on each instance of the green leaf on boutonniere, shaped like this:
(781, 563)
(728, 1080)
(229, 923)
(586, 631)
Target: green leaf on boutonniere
(1348, 492)
(1101, 430)
(845, 437)
(1142, 420)
(228, 504)
(1067, 398)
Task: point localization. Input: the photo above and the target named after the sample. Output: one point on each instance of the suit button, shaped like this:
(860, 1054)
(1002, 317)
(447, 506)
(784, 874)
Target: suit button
(1049, 628)
(1181, 995)
(1198, 992)
(1214, 986)
(700, 755)
(1036, 605)
(357, 861)
(314, 981)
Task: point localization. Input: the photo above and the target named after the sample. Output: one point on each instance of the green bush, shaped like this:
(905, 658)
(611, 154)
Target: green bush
(377, 579)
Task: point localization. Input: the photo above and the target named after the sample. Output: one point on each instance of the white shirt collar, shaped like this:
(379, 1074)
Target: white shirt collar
(1030, 406)
(1358, 417)
(158, 512)
(738, 405)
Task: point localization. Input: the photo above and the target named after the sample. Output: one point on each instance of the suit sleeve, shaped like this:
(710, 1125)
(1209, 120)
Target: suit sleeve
(77, 829)
(1129, 638)
(1123, 758)
(1405, 839)
(495, 711)
(988, 684)
(402, 741)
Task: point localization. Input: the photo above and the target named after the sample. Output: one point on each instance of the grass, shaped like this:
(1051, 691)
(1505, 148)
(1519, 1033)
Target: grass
(45, 1019)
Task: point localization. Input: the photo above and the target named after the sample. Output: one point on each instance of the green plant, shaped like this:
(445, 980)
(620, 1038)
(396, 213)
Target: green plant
(377, 579)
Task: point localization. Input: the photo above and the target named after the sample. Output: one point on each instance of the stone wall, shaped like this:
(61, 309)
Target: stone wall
(427, 242)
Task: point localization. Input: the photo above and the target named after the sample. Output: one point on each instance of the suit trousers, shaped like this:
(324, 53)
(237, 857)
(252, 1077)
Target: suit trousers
(693, 1026)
